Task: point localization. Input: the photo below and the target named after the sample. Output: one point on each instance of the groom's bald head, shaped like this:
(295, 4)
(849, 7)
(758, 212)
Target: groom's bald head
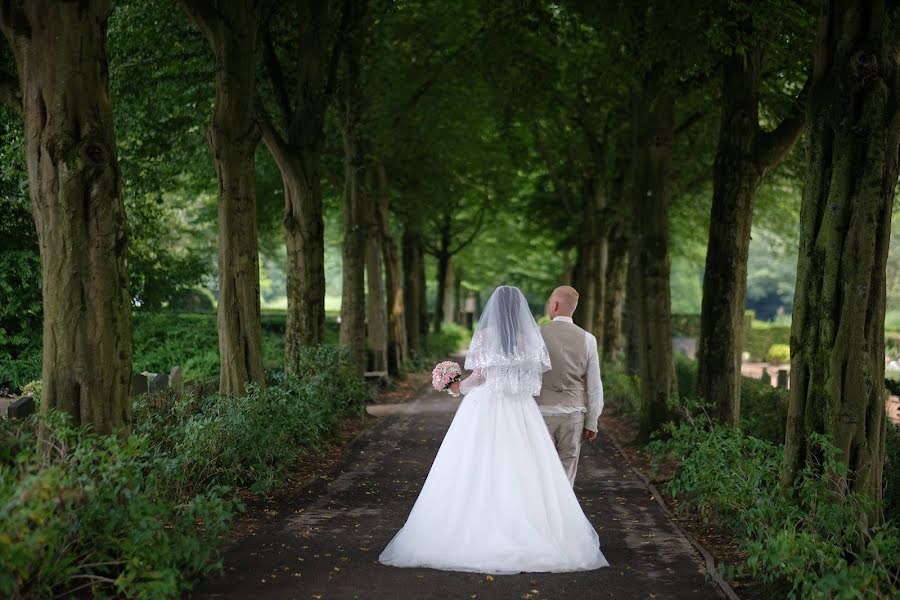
(563, 302)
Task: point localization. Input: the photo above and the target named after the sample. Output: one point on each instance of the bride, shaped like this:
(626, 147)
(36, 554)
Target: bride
(497, 499)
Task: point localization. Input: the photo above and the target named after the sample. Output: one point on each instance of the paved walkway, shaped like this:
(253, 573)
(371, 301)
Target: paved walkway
(324, 543)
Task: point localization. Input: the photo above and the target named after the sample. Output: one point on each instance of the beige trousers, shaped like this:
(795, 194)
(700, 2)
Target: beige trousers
(566, 433)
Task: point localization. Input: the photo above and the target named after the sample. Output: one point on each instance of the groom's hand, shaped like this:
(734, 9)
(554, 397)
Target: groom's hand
(590, 436)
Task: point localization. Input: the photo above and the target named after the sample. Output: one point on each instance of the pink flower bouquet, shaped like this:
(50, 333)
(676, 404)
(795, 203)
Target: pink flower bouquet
(444, 375)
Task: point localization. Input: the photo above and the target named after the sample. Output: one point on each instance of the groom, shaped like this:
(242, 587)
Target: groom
(572, 394)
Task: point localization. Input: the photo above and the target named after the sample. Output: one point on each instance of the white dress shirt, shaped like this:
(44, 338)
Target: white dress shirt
(593, 386)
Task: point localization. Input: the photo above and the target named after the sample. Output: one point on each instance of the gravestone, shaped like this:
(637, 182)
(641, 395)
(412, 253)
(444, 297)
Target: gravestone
(766, 377)
(138, 384)
(685, 345)
(21, 408)
(783, 378)
(158, 383)
(176, 380)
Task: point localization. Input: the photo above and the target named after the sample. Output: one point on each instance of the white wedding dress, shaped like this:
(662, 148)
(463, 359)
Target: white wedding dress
(497, 499)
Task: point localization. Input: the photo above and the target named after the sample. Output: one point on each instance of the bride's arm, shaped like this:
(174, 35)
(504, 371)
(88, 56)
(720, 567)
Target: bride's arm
(471, 382)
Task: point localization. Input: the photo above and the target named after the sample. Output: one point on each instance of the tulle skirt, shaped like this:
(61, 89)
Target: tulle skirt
(497, 499)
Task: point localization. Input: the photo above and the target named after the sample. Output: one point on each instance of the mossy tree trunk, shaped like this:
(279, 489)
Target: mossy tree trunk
(653, 131)
(837, 331)
(231, 29)
(356, 192)
(398, 352)
(297, 148)
(376, 299)
(745, 154)
(414, 282)
(75, 190)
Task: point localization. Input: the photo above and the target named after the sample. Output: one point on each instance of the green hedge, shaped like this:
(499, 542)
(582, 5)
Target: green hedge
(163, 339)
(142, 515)
(892, 472)
(439, 346)
(804, 545)
(759, 339)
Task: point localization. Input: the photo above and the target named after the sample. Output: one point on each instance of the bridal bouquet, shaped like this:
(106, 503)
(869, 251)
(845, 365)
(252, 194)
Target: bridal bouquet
(444, 375)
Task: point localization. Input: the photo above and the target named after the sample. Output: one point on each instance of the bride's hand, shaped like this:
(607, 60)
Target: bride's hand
(454, 387)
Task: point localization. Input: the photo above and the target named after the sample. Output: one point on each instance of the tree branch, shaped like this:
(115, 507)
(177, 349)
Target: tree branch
(773, 146)
(479, 224)
(276, 76)
(273, 140)
(431, 80)
(335, 59)
(204, 14)
(689, 122)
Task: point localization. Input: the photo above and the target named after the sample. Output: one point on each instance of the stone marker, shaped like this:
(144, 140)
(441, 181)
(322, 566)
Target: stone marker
(766, 377)
(176, 380)
(783, 378)
(138, 384)
(21, 408)
(158, 383)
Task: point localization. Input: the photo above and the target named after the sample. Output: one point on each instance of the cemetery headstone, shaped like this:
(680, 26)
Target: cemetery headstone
(176, 380)
(783, 378)
(138, 384)
(21, 408)
(158, 383)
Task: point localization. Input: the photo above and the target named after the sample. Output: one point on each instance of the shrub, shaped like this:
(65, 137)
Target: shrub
(778, 354)
(763, 410)
(892, 473)
(19, 370)
(621, 389)
(141, 516)
(806, 542)
(438, 346)
(759, 338)
(88, 517)
(685, 376)
(164, 339)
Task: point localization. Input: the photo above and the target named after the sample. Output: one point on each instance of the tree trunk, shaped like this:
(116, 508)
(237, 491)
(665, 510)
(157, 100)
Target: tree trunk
(616, 278)
(653, 131)
(614, 298)
(602, 260)
(413, 282)
(837, 333)
(353, 333)
(443, 272)
(304, 236)
(743, 156)
(632, 344)
(591, 257)
(298, 157)
(449, 297)
(376, 302)
(75, 190)
(568, 268)
(231, 28)
(397, 339)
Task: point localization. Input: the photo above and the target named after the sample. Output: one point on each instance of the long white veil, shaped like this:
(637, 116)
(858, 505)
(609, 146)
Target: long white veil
(508, 347)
